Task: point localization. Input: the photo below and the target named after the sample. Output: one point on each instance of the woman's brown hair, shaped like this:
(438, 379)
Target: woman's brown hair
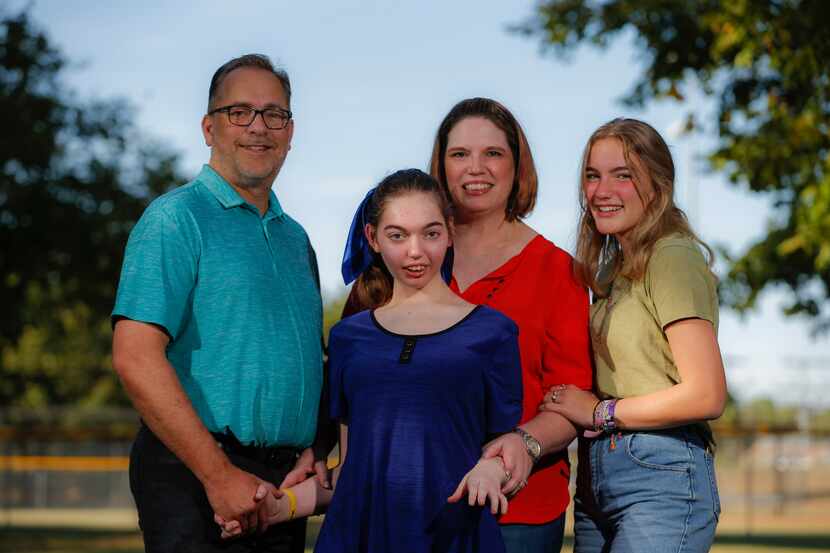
(649, 159)
(523, 194)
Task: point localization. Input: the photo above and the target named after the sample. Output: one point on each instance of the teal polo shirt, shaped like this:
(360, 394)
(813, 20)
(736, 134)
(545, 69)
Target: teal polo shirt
(238, 294)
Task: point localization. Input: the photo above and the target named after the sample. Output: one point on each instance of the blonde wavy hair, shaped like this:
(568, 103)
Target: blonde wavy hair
(649, 159)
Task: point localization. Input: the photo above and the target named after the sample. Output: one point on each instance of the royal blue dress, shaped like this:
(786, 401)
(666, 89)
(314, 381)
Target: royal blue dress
(418, 409)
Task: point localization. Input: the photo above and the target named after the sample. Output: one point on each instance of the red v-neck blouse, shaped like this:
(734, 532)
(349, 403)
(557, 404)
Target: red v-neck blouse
(537, 290)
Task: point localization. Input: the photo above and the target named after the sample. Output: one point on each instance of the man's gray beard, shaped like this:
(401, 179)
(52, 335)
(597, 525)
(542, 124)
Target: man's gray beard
(253, 183)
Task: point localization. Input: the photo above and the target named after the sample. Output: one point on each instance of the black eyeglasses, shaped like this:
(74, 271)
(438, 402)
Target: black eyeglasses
(242, 116)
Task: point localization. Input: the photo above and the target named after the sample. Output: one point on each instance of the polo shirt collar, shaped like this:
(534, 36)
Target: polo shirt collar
(228, 197)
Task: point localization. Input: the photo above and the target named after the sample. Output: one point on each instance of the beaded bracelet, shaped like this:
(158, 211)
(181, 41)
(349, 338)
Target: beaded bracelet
(610, 422)
(598, 416)
(604, 416)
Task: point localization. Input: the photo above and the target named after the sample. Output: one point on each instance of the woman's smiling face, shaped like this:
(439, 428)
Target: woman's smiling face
(479, 167)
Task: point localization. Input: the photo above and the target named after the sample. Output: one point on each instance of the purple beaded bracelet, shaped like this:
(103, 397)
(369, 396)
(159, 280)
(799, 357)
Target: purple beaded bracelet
(604, 416)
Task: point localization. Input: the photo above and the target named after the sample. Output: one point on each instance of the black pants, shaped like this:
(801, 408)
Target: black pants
(175, 515)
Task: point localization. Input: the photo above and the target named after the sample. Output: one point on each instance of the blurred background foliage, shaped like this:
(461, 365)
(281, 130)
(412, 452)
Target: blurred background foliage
(75, 174)
(765, 65)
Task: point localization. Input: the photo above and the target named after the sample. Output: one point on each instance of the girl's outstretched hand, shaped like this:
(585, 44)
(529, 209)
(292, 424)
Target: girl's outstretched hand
(484, 483)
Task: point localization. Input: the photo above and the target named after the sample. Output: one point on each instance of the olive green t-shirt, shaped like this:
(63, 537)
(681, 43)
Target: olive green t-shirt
(631, 352)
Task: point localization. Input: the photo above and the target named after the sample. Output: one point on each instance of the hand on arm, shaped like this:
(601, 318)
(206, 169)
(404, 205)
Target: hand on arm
(482, 484)
(700, 394)
(151, 382)
(309, 495)
(267, 506)
(510, 448)
(306, 466)
(573, 403)
(553, 432)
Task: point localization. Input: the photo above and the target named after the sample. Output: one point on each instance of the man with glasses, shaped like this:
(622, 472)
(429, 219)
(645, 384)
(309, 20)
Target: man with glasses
(217, 336)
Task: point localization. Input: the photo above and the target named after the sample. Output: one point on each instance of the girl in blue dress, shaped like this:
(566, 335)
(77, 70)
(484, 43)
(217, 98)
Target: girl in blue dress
(419, 384)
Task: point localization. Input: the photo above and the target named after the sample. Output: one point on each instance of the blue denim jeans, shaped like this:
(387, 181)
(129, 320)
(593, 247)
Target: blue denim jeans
(645, 492)
(534, 538)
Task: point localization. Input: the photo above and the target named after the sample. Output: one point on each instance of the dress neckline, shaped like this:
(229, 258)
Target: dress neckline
(436, 333)
(502, 270)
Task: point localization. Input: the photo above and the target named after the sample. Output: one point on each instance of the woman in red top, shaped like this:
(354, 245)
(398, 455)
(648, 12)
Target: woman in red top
(482, 157)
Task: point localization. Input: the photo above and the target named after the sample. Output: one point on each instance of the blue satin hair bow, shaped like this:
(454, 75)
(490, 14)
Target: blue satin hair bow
(358, 255)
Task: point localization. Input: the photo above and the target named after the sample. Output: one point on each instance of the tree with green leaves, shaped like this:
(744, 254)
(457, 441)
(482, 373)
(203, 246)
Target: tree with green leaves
(74, 177)
(766, 65)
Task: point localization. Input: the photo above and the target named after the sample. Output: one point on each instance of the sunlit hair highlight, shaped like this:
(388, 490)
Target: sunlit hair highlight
(649, 159)
(522, 197)
(374, 286)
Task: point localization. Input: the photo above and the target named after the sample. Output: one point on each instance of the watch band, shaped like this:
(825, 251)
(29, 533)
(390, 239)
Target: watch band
(534, 448)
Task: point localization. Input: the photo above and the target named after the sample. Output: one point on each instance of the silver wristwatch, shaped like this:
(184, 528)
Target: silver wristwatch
(534, 448)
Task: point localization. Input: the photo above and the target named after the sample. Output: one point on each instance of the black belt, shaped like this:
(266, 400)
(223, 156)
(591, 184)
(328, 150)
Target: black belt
(276, 455)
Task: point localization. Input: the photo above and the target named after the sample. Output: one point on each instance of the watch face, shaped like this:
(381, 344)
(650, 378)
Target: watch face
(534, 447)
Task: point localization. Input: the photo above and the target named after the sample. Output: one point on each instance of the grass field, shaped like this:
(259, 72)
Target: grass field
(806, 531)
(43, 540)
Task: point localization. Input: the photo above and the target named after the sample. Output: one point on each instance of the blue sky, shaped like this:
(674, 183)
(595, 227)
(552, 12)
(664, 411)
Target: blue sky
(371, 82)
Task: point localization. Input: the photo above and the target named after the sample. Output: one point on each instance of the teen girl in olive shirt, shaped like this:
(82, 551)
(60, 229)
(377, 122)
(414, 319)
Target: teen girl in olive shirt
(645, 480)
